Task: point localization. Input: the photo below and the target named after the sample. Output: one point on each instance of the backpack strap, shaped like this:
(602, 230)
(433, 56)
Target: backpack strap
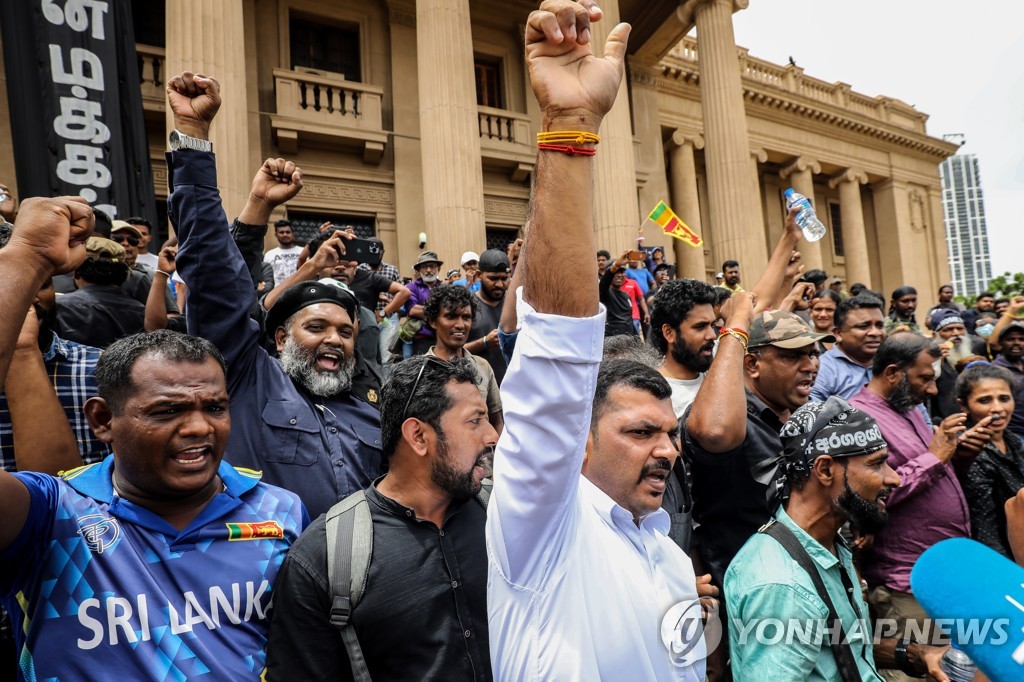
(349, 548)
(845, 661)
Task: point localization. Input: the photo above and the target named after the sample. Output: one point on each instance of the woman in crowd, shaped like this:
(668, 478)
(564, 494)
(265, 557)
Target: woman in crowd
(985, 392)
(823, 313)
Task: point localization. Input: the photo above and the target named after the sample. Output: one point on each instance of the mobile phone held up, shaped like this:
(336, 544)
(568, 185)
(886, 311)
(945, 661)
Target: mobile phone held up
(363, 251)
(636, 255)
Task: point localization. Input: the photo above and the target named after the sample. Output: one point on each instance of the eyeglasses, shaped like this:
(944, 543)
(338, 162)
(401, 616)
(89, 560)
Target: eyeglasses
(121, 239)
(428, 360)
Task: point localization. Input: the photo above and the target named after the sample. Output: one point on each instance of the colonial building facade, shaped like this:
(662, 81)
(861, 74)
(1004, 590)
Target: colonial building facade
(416, 116)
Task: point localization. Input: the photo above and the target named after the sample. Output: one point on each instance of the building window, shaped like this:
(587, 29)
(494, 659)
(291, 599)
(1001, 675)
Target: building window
(326, 47)
(836, 219)
(500, 237)
(306, 226)
(148, 22)
(488, 82)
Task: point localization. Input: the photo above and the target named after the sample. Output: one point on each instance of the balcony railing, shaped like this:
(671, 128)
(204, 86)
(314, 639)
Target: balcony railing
(327, 109)
(505, 141)
(763, 76)
(152, 76)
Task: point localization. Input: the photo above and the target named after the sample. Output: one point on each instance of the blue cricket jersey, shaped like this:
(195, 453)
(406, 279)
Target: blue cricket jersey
(100, 588)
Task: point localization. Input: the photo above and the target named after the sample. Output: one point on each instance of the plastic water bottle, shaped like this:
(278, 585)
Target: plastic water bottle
(958, 666)
(806, 218)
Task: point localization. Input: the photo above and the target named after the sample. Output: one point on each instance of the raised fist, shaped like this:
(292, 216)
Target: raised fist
(194, 100)
(575, 89)
(53, 232)
(276, 182)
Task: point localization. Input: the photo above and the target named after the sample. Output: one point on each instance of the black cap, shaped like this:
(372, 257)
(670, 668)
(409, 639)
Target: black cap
(494, 260)
(305, 294)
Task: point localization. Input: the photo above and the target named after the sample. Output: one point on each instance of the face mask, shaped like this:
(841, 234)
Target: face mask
(985, 330)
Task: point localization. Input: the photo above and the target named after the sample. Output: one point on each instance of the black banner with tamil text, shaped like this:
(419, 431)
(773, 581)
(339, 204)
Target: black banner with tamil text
(75, 103)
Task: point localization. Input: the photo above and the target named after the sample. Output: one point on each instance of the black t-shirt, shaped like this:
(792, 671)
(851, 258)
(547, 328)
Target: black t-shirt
(728, 503)
(618, 305)
(98, 315)
(368, 286)
(422, 616)
(484, 322)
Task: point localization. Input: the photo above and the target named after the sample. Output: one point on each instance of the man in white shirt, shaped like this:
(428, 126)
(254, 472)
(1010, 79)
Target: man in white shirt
(582, 576)
(285, 258)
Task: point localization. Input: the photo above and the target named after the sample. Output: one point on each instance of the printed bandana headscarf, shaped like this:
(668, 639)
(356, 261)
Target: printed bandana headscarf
(834, 428)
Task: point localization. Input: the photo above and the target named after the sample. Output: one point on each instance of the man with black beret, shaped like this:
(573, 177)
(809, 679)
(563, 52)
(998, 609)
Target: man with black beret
(296, 419)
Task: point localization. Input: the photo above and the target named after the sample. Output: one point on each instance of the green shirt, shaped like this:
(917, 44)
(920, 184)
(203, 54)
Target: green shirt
(777, 620)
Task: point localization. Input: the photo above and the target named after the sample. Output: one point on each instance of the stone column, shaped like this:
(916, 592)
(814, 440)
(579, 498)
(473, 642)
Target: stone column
(453, 186)
(685, 202)
(203, 37)
(616, 208)
(735, 213)
(405, 144)
(851, 212)
(800, 173)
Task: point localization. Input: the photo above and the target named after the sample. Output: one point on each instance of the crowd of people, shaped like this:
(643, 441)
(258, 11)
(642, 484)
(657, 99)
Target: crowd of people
(220, 463)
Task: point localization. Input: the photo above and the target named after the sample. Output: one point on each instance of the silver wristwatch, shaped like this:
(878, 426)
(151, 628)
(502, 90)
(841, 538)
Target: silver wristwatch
(179, 140)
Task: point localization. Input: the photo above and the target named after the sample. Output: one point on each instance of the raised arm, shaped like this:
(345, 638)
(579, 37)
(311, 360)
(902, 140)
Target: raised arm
(49, 238)
(548, 391)
(717, 420)
(327, 256)
(43, 439)
(156, 311)
(1012, 314)
(770, 285)
(220, 288)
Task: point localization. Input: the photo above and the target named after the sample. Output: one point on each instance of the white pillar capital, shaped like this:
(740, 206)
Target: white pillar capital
(848, 175)
(681, 137)
(799, 165)
(759, 155)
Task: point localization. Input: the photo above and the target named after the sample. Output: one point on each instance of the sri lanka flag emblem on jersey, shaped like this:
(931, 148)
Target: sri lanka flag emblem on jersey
(263, 530)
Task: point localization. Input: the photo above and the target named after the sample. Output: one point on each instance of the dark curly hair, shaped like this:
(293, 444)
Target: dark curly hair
(673, 302)
(103, 272)
(447, 297)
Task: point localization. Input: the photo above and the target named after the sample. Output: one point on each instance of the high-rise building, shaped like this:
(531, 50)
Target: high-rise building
(966, 235)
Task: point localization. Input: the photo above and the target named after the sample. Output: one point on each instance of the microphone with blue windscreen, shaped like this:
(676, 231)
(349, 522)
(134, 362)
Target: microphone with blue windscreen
(975, 595)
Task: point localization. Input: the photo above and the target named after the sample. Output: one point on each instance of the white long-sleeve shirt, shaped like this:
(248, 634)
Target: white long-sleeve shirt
(576, 590)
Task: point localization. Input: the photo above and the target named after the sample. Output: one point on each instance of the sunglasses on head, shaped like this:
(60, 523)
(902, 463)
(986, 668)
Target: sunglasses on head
(122, 238)
(427, 360)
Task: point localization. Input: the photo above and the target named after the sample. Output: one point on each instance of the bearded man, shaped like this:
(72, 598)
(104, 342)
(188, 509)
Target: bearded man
(832, 470)
(426, 578)
(296, 419)
(682, 328)
(929, 505)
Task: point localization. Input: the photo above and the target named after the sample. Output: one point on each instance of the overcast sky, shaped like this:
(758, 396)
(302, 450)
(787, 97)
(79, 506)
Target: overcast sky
(960, 63)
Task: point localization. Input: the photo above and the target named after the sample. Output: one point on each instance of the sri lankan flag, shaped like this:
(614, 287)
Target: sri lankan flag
(263, 530)
(673, 226)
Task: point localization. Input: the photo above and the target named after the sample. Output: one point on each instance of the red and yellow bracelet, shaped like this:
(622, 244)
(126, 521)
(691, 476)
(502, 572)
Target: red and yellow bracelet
(739, 334)
(567, 149)
(567, 142)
